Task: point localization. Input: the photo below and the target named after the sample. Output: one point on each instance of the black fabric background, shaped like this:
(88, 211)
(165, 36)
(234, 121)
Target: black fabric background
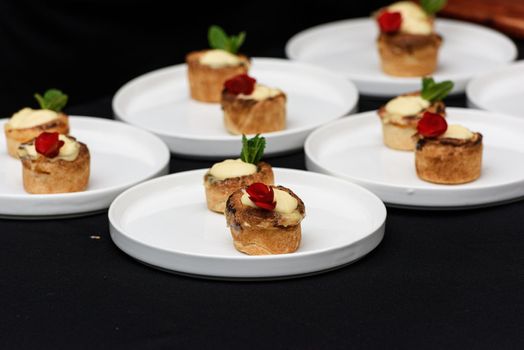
(448, 279)
(89, 48)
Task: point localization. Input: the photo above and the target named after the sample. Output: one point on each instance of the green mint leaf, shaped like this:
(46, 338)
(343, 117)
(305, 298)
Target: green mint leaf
(433, 92)
(432, 6)
(53, 99)
(217, 38)
(252, 149)
(237, 41)
(427, 82)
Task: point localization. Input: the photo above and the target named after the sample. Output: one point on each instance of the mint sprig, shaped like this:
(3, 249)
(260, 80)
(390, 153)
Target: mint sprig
(432, 91)
(432, 6)
(252, 149)
(218, 39)
(53, 99)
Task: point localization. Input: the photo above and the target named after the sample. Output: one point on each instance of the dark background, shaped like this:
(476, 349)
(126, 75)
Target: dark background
(89, 48)
(439, 279)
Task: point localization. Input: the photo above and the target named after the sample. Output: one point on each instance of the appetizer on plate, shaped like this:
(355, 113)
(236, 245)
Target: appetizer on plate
(28, 123)
(54, 163)
(400, 116)
(228, 176)
(251, 108)
(407, 44)
(208, 69)
(265, 219)
(447, 154)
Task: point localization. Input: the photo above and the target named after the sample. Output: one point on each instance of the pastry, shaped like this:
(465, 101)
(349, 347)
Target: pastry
(54, 163)
(265, 219)
(407, 44)
(251, 108)
(207, 70)
(28, 123)
(400, 116)
(228, 176)
(447, 154)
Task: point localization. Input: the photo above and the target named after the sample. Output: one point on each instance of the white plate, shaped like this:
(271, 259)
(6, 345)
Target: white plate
(352, 149)
(121, 156)
(165, 223)
(159, 102)
(349, 48)
(499, 91)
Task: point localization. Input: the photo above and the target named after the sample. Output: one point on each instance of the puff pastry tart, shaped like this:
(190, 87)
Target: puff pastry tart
(447, 154)
(207, 70)
(265, 219)
(26, 124)
(251, 108)
(229, 175)
(54, 163)
(400, 116)
(407, 44)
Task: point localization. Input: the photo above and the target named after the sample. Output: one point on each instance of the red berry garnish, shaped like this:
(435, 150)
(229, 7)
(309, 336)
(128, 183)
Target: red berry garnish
(432, 125)
(262, 195)
(48, 144)
(389, 22)
(240, 84)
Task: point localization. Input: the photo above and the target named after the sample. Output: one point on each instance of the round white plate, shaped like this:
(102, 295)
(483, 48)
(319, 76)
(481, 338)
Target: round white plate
(165, 223)
(349, 48)
(159, 102)
(121, 156)
(352, 149)
(499, 91)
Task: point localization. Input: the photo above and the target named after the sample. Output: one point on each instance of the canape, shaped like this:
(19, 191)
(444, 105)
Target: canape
(407, 44)
(207, 70)
(265, 219)
(251, 108)
(400, 116)
(54, 163)
(447, 154)
(26, 124)
(229, 175)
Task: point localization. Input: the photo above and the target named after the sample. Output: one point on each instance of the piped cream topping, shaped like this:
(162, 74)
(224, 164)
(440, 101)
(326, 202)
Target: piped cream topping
(414, 19)
(456, 131)
(261, 92)
(402, 106)
(28, 118)
(219, 59)
(69, 151)
(232, 168)
(286, 203)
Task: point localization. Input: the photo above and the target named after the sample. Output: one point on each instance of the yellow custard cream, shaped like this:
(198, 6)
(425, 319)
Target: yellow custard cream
(69, 151)
(28, 118)
(455, 131)
(261, 92)
(232, 168)
(414, 19)
(402, 106)
(219, 59)
(286, 203)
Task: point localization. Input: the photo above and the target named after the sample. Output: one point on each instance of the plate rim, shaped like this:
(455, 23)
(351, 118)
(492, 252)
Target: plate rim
(403, 204)
(476, 84)
(164, 155)
(350, 98)
(377, 228)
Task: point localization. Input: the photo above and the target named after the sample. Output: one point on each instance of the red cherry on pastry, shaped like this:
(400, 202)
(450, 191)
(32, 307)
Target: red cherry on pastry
(240, 84)
(432, 125)
(48, 144)
(262, 195)
(389, 22)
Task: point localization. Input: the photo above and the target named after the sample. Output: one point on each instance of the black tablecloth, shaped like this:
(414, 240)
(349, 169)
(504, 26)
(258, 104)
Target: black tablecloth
(439, 279)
